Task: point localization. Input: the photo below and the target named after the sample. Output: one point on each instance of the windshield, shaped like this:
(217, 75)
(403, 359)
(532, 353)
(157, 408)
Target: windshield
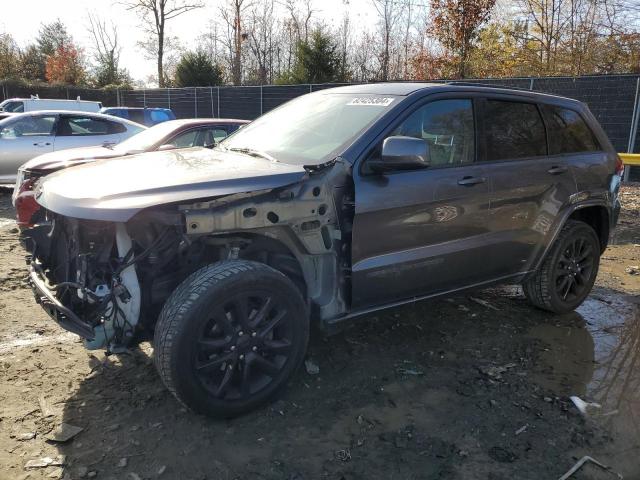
(310, 129)
(12, 106)
(146, 139)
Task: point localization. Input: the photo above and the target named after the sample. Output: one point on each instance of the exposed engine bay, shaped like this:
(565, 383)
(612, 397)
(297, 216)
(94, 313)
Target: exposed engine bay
(107, 281)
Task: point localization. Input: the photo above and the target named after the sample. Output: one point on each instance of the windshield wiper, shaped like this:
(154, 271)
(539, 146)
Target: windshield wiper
(253, 153)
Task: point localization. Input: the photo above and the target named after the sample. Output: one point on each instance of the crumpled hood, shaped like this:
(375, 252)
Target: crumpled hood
(116, 189)
(52, 161)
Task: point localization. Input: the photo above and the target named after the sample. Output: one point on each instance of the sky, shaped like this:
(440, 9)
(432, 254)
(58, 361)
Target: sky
(23, 23)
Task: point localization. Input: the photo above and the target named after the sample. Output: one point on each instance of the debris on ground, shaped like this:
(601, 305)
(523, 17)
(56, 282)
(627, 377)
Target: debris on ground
(311, 367)
(45, 406)
(64, 433)
(502, 455)
(484, 303)
(410, 371)
(44, 462)
(495, 372)
(522, 429)
(584, 460)
(343, 455)
(633, 270)
(585, 408)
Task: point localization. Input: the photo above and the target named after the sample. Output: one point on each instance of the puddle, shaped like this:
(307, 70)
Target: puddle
(594, 353)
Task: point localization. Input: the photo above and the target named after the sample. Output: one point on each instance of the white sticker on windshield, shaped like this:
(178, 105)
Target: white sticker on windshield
(374, 101)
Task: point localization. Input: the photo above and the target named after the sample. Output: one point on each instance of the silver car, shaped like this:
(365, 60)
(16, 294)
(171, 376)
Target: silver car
(27, 135)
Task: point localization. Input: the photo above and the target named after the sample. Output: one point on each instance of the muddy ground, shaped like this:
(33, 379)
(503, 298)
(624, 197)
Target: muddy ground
(472, 387)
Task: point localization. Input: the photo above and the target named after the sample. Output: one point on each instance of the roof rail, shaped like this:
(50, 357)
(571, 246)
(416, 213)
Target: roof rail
(489, 85)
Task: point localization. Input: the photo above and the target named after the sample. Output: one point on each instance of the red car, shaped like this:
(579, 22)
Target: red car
(200, 132)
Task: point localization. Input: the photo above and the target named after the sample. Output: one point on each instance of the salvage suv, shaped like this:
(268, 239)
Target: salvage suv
(338, 203)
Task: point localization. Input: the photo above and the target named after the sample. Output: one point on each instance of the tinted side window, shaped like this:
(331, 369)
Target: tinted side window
(29, 127)
(80, 126)
(215, 135)
(185, 140)
(568, 132)
(16, 107)
(447, 126)
(158, 116)
(115, 127)
(513, 130)
(136, 116)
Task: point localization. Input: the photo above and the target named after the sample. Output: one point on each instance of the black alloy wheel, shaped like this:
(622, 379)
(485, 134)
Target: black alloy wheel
(244, 345)
(230, 337)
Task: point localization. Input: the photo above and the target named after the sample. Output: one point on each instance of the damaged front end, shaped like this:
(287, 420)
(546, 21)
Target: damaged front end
(83, 273)
(105, 273)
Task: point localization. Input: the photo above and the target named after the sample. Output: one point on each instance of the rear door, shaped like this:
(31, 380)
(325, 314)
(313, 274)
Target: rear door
(528, 186)
(571, 139)
(22, 139)
(421, 232)
(86, 130)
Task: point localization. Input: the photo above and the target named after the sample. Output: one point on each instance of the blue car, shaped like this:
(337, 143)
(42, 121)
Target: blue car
(144, 116)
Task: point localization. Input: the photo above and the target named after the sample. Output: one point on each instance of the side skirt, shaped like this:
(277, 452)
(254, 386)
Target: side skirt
(334, 325)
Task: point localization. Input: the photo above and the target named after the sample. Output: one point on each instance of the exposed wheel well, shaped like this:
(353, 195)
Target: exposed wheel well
(277, 255)
(597, 218)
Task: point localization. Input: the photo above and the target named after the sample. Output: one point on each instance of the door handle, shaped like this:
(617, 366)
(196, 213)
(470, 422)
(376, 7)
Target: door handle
(42, 144)
(108, 144)
(467, 181)
(555, 170)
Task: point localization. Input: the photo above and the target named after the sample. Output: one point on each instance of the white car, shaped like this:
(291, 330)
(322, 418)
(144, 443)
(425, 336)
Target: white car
(27, 135)
(22, 105)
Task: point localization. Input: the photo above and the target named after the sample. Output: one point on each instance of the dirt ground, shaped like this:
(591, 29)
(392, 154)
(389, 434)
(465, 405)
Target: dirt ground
(472, 387)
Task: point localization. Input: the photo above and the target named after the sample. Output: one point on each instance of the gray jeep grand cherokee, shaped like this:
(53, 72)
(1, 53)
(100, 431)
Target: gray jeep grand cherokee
(337, 203)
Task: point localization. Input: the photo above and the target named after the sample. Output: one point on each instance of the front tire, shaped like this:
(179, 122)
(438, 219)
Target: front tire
(230, 336)
(569, 271)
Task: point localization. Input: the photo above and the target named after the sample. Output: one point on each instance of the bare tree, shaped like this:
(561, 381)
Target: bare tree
(233, 14)
(261, 40)
(344, 45)
(155, 14)
(548, 21)
(301, 13)
(106, 51)
(389, 12)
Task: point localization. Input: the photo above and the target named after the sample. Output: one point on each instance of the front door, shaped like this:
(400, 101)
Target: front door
(23, 139)
(424, 231)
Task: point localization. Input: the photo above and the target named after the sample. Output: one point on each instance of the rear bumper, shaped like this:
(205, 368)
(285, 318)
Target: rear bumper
(54, 308)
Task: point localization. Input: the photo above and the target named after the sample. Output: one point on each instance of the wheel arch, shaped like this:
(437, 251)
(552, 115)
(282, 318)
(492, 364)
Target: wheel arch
(597, 217)
(278, 247)
(595, 214)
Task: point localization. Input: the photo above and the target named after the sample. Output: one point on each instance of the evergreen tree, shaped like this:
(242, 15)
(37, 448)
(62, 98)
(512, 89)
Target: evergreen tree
(195, 69)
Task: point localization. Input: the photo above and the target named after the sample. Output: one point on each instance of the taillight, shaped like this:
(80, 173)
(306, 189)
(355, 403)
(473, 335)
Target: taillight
(619, 166)
(26, 205)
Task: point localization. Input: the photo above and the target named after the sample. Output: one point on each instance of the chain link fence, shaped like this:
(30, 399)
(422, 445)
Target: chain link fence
(613, 99)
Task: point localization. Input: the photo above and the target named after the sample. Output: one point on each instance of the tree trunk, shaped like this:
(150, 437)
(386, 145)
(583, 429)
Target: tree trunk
(237, 68)
(160, 60)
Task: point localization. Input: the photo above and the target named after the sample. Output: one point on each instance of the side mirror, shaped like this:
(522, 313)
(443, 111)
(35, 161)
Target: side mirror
(402, 153)
(210, 145)
(166, 146)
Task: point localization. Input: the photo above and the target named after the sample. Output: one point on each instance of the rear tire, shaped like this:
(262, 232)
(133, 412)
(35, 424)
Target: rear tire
(569, 271)
(230, 336)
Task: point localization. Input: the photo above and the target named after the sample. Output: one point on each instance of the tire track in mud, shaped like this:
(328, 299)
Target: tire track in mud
(35, 340)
